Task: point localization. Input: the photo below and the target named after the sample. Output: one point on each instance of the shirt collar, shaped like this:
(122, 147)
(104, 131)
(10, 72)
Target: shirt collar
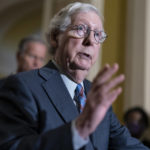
(70, 85)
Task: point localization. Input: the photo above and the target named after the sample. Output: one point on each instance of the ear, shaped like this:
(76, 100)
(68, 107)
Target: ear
(53, 43)
(19, 56)
(53, 39)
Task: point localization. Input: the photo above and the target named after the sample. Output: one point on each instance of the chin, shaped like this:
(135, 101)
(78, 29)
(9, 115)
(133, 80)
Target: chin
(84, 67)
(76, 66)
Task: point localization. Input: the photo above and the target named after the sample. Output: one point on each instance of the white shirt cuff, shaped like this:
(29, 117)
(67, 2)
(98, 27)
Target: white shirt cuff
(78, 141)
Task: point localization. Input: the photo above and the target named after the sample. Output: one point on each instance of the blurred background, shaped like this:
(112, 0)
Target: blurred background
(127, 23)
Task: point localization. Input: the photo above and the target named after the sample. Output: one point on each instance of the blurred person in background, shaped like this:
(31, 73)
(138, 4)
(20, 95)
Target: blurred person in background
(137, 121)
(31, 54)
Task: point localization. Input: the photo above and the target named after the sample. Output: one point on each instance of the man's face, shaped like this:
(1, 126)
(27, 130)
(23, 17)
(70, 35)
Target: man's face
(79, 53)
(33, 57)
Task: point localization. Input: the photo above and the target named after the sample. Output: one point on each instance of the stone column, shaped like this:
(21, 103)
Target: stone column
(47, 15)
(137, 84)
(146, 79)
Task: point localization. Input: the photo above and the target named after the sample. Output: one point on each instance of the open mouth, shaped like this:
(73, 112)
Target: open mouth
(85, 56)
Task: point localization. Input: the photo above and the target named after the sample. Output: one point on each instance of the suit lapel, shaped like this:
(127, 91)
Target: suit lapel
(58, 93)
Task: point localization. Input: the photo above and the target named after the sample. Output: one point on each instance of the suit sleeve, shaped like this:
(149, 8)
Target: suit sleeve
(19, 122)
(120, 138)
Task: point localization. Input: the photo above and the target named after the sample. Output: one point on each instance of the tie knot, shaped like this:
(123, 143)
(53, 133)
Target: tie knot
(80, 97)
(79, 90)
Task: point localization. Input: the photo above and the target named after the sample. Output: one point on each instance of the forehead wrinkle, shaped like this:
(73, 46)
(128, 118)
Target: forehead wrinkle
(81, 19)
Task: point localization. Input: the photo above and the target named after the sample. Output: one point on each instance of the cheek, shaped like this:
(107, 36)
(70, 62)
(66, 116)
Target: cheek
(68, 44)
(96, 54)
(28, 61)
(71, 47)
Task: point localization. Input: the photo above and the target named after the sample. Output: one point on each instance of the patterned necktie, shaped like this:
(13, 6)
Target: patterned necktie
(80, 97)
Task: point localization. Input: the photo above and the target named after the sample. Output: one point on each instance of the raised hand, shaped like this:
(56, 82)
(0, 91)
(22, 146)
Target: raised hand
(103, 93)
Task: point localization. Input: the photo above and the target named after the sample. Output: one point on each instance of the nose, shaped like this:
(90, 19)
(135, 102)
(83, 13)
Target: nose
(89, 39)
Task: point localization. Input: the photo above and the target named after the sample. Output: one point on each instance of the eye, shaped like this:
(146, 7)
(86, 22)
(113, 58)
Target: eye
(81, 27)
(100, 36)
(81, 30)
(97, 35)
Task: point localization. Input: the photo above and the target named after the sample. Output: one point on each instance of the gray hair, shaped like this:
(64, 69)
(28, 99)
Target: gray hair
(62, 19)
(26, 40)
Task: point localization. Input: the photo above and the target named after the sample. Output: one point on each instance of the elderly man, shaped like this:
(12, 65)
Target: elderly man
(55, 107)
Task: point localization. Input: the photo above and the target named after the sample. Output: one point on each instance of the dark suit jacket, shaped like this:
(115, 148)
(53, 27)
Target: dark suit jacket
(2, 82)
(36, 111)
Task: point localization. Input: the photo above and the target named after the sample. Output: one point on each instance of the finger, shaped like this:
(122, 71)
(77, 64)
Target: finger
(113, 83)
(112, 96)
(106, 67)
(106, 100)
(106, 74)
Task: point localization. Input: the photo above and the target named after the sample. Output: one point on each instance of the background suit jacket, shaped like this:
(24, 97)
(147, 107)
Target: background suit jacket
(2, 82)
(36, 111)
